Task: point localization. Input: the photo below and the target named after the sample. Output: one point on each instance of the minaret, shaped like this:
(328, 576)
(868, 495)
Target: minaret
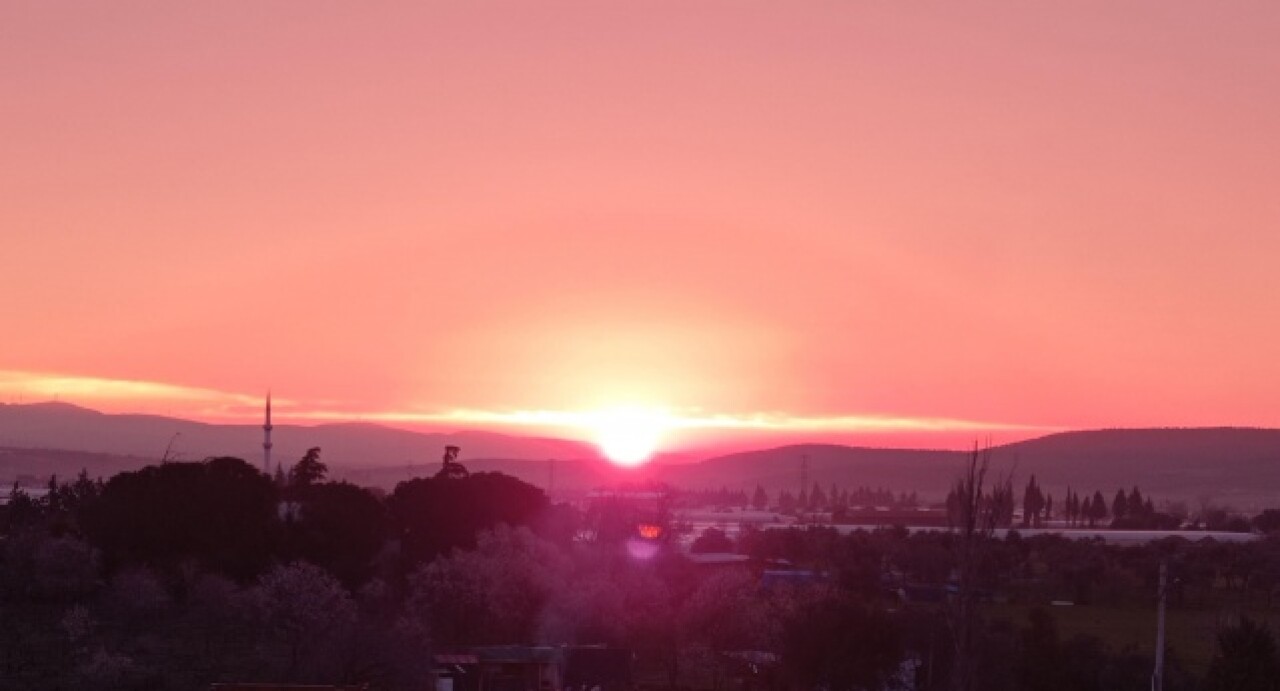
(266, 439)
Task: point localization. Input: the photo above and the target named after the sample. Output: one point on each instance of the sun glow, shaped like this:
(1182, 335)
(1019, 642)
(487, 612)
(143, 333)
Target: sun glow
(629, 436)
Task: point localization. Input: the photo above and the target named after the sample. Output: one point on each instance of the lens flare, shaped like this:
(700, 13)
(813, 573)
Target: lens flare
(641, 549)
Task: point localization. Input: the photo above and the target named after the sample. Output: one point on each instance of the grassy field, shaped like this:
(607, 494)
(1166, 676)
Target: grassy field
(1191, 632)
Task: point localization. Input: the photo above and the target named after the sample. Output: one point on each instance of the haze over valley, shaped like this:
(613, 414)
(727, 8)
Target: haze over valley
(1236, 467)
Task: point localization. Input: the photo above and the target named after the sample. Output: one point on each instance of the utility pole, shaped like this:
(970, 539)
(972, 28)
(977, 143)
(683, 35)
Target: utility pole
(1157, 676)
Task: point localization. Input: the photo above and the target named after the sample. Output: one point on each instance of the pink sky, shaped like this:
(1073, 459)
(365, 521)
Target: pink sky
(826, 215)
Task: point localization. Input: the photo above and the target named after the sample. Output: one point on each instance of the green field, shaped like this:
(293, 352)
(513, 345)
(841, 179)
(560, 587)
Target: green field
(1191, 632)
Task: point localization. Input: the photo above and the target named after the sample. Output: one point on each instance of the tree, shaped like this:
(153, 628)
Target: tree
(220, 512)
(309, 470)
(1268, 521)
(136, 596)
(451, 469)
(974, 521)
(724, 611)
(817, 499)
(299, 605)
(760, 500)
(835, 643)
(438, 514)
(21, 510)
(1246, 660)
(1098, 511)
(1032, 504)
(786, 502)
(339, 527)
(492, 594)
(64, 568)
(1001, 501)
(1119, 506)
(1135, 503)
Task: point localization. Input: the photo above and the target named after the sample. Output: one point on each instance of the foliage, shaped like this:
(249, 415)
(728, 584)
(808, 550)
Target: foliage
(221, 512)
(434, 515)
(300, 605)
(492, 594)
(337, 526)
(188, 573)
(1246, 659)
(840, 644)
(64, 569)
(309, 470)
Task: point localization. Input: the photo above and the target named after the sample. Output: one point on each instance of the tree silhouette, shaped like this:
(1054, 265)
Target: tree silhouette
(974, 518)
(435, 515)
(338, 526)
(299, 605)
(839, 644)
(1033, 503)
(309, 470)
(760, 500)
(1120, 506)
(1246, 660)
(1098, 510)
(451, 468)
(220, 512)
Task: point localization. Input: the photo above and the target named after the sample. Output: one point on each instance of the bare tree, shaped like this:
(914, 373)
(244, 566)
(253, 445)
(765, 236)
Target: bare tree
(974, 516)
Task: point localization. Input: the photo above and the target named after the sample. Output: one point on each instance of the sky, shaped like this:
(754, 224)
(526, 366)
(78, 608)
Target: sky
(839, 220)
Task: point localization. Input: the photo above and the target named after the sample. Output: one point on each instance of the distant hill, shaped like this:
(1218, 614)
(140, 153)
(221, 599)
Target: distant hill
(67, 427)
(1233, 466)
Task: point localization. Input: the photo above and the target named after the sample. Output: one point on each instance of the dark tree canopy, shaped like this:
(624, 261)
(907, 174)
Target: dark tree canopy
(338, 526)
(435, 515)
(760, 500)
(1246, 659)
(309, 470)
(220, 512)
(839, 645)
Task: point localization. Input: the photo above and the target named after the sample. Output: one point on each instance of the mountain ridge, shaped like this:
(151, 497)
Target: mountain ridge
(1222, 464)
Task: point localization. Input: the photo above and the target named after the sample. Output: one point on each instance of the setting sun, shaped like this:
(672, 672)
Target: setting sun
(629, 436)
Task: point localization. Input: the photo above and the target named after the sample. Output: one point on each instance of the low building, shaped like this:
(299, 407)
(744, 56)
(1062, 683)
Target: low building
(533, 668)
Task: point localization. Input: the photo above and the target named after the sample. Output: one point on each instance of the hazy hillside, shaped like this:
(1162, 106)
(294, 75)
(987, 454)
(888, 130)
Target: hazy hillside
(844, 465)
(33, 466)
(355, 445)
(1239, 467)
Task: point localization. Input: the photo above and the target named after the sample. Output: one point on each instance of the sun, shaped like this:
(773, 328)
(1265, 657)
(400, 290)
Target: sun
(629, 436)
